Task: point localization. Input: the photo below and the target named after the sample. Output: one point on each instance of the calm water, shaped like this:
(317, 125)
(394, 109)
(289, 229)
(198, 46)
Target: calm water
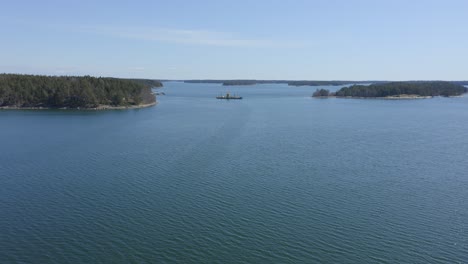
(278, 177)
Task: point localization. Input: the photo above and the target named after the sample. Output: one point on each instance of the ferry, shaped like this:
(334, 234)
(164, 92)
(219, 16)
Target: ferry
(228, 96)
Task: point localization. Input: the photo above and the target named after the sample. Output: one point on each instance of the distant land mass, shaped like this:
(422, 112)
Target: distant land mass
(233, 82)
(301, 83)
(72, 92)
(288, 82)
(397, 90)
(329, 83)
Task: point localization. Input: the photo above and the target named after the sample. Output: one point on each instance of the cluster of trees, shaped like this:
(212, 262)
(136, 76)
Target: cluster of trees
(432, 88)
(461, 82)
(321, 93)
(147, 82)
(71, 92)
(241, 82)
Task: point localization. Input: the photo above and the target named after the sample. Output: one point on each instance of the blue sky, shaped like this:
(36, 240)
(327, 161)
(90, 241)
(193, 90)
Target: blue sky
(310, 40)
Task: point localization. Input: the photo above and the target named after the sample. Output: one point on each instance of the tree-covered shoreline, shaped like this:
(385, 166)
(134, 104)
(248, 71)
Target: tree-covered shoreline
(415, 89)
(38, 91)
(420, 88)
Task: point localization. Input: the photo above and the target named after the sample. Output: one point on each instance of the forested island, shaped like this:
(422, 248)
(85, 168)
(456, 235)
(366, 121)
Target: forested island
(242, 82)
(73, 92)
(414, 89)
(235, 82)
(288, 82)
(328, 83)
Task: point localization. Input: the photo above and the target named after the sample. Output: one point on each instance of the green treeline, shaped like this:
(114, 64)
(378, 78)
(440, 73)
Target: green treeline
(147, 82)
(461, 82)
(241, 82)
(321, 92)
(71, 92)
(421, 88)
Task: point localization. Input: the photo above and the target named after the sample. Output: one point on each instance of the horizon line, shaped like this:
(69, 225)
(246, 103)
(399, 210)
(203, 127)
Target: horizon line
(239, 79)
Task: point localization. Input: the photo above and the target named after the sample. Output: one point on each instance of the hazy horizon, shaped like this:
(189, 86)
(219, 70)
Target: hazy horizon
(206, 79)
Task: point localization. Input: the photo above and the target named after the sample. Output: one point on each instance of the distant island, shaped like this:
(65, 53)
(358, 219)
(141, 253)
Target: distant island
(288, 82)
(233, 82)
(397, 90)
(304, 83)
(241, 82)
(72, 92)
(329, 83)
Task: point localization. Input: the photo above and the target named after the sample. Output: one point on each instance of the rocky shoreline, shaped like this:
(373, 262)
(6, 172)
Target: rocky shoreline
(97, 108)
(399, 97)
(393, 97)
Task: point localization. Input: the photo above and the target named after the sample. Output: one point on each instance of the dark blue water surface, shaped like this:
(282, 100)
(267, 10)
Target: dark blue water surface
(278, 177)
